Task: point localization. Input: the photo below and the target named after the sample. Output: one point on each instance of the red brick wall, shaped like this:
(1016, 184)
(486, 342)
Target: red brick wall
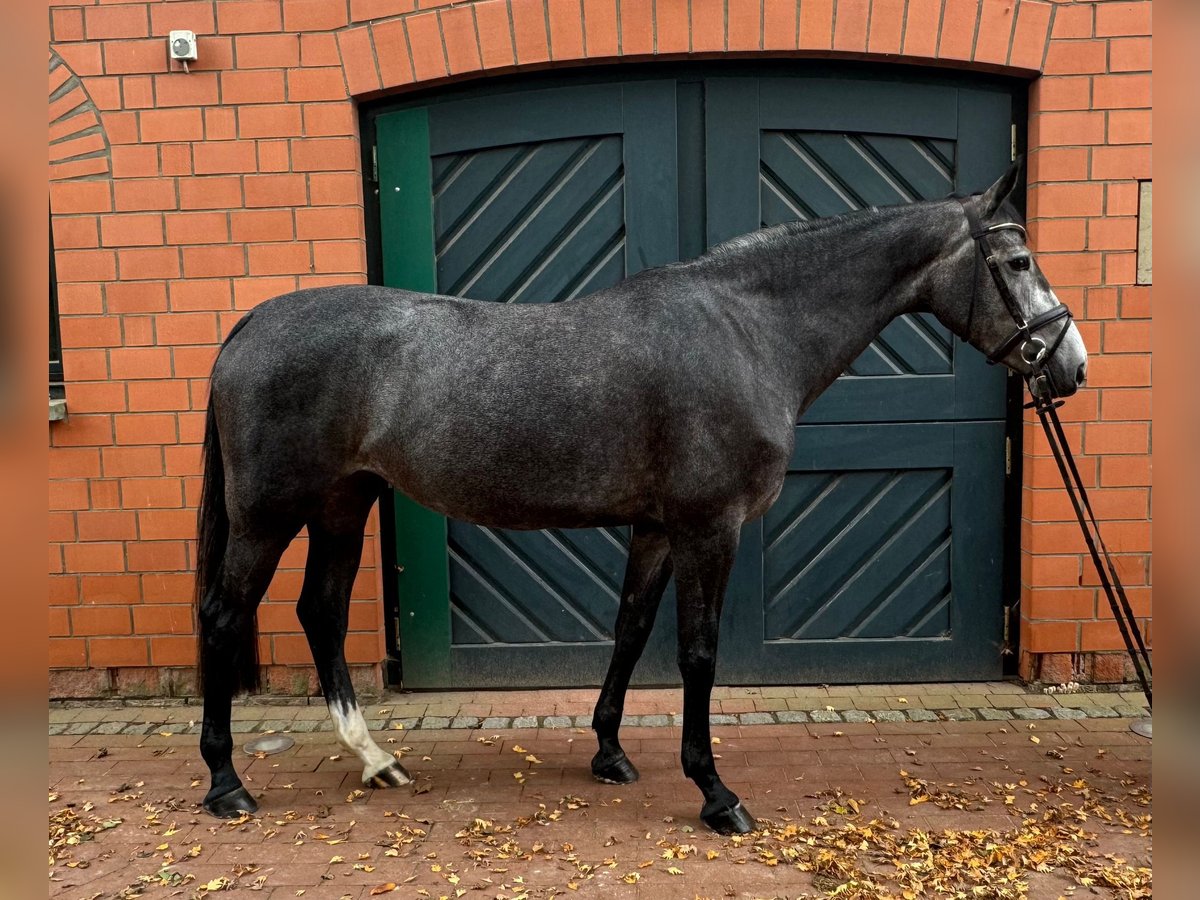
(181, 200)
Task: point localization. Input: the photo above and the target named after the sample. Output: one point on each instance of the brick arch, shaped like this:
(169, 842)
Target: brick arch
(79, 148)
(494, 36)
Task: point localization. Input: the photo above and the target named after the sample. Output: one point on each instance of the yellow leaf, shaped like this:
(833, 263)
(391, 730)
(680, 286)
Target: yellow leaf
(163, 847)
(383, 889)
(674, 870)
(517, 748)
(1035, 739)
(530, 758)
(336, 859)
(712, 854)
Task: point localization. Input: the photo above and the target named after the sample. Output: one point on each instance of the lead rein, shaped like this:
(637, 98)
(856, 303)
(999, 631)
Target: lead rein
(1047, 411)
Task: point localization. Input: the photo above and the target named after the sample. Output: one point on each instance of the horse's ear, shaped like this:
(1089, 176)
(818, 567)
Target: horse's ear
(995, 196)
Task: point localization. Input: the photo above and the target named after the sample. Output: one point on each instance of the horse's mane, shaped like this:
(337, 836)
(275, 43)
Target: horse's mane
(772, 236)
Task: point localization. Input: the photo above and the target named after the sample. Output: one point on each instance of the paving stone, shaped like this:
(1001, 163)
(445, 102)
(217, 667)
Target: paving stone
(243, 727)
(722, 719)
(960, 715)
(973, 701)
(988, 714)
(556, 722)
(923, 715)
(824, 715)
(1031, 712)
(305, 726)
(58, 727)
(80, 728)
(677, 719)
(658, 720)
(312, 712)
(856, 715)
(435, 721)
(406, 724)
(750, 718)
(525, 722)
(109, 728)
(937, 701)
(583, 721)
(791, 716)
(284, 724)
(1008, 701)
(1102, 712)
(496, 723)
(1068, 712)
(1125, 710)
(770, 704)
(886, 715)
(465, 722)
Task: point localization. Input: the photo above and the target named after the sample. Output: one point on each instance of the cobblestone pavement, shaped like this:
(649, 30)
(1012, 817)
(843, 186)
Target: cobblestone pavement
(987, 701)
(508, 812)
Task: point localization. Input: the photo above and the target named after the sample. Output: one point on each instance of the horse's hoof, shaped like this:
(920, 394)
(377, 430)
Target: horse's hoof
(619, 771)
(733, 820)
(232, 804)
(394, 775)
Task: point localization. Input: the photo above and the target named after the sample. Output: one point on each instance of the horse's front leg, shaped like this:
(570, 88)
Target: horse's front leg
(646, 575)
(323, 609)
(703, 558)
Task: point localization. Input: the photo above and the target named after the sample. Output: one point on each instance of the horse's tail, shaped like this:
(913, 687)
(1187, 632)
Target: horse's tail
(212, 533)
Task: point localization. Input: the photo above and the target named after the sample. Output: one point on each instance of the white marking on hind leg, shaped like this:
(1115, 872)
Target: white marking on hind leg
(351, 731)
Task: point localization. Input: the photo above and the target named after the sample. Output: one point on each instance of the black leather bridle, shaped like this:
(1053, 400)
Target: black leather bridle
(1035, 352)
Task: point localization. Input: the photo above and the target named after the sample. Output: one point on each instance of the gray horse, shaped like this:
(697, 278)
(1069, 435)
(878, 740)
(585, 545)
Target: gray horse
(666, 402)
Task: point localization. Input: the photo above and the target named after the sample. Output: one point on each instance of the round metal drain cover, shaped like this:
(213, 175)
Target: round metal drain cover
(269, 744)
(1144, 727)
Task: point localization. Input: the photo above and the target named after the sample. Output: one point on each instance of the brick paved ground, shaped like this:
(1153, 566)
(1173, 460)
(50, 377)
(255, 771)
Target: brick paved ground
(991, 701)
(316, 835)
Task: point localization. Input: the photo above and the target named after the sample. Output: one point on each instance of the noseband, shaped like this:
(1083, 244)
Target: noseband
(1034, 350)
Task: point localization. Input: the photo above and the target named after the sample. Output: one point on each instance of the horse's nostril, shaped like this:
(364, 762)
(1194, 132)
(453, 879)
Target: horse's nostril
(1081, 374)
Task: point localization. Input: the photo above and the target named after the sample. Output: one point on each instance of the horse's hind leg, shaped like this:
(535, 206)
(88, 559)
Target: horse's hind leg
(227, 624)
(646, 576)
(703, 558)
(334, 553)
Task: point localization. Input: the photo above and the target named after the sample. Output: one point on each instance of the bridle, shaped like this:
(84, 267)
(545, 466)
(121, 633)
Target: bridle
(1035, 352)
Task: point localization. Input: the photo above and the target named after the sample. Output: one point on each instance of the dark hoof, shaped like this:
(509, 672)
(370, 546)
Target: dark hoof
(231, 805)
(394, 775)
(618, 771)
(733, 820)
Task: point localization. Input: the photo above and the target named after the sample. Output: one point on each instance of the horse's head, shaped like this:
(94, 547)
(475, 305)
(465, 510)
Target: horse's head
(1008, 310)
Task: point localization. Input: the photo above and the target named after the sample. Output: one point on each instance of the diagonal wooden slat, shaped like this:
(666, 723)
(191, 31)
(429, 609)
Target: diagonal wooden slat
(803, 174)
(874, 551)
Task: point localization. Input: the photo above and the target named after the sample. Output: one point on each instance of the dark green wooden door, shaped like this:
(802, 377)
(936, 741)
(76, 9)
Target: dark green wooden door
(881, 560)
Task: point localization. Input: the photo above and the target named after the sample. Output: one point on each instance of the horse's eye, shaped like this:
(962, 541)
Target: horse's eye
(1020, 264)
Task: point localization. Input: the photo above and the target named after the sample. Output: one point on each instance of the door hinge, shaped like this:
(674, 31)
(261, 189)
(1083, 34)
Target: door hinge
(1006, 644)
(1014, 142)
(375, 163)
(1007, 455)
